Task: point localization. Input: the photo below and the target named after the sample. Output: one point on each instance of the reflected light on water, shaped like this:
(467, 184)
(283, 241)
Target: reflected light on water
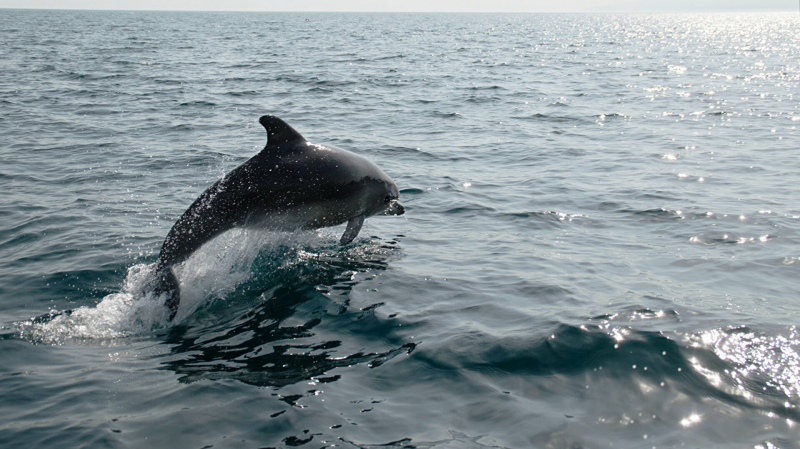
(771, 359)
(712, 376)
(690, 420)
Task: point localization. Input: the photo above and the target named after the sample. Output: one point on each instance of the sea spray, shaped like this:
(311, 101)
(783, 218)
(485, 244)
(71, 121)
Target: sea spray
(211, 274)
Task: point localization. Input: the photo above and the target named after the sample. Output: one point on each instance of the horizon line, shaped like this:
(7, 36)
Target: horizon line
(586, 11)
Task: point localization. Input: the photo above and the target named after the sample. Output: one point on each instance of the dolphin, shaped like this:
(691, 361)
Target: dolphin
(291, 184)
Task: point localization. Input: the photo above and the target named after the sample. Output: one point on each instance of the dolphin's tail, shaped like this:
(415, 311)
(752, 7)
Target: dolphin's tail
(166, 282)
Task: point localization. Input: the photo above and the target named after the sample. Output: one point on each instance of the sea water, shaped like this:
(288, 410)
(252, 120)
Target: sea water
(600, 248)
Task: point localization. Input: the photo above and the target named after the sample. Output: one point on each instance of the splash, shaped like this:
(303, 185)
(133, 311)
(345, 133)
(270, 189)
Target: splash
(210, 274)
(129, 312)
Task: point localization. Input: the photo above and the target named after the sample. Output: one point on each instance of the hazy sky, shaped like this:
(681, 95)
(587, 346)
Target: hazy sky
(414, 5)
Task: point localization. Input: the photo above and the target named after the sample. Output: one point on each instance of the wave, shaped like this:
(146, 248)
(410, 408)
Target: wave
(740, 367)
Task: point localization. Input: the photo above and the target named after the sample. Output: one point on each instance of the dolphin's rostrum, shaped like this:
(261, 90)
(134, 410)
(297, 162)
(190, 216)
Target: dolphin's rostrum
(291, 184)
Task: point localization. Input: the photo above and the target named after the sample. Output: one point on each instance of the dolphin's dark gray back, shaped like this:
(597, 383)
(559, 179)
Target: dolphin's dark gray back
(228, 202)
(288, 173)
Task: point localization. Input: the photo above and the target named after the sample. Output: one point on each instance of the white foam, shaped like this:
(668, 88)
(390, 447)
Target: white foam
(213, 272)
(126, 313)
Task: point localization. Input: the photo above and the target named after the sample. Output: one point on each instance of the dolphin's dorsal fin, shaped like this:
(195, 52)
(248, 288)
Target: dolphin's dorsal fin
(278, 131)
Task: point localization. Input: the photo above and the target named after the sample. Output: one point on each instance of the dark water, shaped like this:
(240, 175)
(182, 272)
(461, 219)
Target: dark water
(600, 249)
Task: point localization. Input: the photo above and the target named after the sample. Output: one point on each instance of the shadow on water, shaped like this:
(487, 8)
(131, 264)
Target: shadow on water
(295, 330)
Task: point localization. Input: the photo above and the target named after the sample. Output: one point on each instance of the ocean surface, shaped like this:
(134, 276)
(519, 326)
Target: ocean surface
(601, 245)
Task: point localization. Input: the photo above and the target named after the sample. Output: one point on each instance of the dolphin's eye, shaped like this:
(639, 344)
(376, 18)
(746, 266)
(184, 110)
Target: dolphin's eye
(387, 199)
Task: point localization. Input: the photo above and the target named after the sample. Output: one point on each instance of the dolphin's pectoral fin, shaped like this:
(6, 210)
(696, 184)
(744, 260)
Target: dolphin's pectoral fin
(166, 282)
(353, 226)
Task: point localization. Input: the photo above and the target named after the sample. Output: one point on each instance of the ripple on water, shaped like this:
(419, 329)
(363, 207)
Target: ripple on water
(600, 244)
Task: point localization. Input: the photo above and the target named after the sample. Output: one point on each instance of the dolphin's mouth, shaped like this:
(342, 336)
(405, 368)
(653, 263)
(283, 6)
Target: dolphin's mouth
(394, 208)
